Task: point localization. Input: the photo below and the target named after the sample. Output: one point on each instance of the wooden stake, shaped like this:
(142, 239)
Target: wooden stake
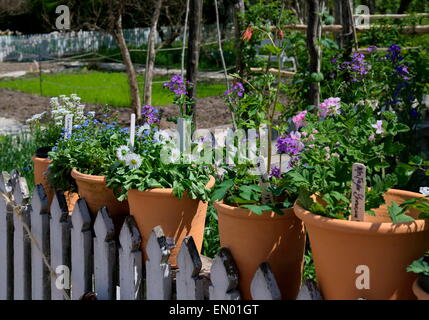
(358, 191)
(132, 130)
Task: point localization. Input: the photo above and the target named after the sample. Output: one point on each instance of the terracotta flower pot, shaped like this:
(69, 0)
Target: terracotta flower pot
(252, 239)
(96, 194)
(177, 217)
(41, 177)
(419, 292)
(339, 247)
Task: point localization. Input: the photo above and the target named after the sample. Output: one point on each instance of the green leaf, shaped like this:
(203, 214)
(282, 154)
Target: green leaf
(257, 209)
(397, 214)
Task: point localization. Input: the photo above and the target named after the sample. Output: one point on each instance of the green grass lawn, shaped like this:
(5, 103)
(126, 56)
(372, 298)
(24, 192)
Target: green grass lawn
(101, 87)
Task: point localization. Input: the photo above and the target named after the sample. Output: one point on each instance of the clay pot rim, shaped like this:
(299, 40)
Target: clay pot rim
(362, 227)
(241, 213)
(87, 177)
(43, 160)
(167, 192)
(418, 291)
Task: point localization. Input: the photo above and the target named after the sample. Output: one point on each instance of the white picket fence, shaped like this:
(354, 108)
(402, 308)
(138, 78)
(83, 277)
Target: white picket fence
(42, 251)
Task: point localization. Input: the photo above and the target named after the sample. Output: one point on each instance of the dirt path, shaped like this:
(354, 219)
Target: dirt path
(20, 106)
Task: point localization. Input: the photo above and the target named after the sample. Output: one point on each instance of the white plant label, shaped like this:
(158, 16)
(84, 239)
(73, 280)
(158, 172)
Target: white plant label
(68, 125)
(358, 191)
(132, 130)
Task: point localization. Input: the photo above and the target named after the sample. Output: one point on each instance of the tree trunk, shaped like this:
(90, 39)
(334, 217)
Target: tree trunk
(314, 31)
(403, 6)
(238, 10)
(343, 17)
(196, 12)
(151, 54)
(131, 72)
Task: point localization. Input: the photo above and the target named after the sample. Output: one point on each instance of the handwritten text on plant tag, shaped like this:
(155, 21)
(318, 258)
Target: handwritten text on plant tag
(358, 191)
(68, 125)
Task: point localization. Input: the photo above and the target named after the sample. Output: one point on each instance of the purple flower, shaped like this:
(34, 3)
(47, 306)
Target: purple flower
(176, 85)
(291, 144)
(403, 71)
(414, 113)
(276, 172)
(393, 53)
(357, 68)
(149, 113)
(371, 49)
(236, 89)
(378, 126)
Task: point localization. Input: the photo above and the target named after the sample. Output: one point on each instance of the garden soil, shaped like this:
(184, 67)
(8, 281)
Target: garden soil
(211, 111)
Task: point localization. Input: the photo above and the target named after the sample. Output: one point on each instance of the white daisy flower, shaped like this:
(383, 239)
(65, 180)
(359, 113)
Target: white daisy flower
(133, 161)
(122, 152)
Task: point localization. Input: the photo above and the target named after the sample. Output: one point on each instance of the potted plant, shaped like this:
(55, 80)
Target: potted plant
(254, 198)
(366, 258)
(163, 185)
(421, 284)
(81, 161)
(46, 128)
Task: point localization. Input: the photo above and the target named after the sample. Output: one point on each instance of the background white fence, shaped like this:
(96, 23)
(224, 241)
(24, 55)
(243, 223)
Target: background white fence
(54, 255)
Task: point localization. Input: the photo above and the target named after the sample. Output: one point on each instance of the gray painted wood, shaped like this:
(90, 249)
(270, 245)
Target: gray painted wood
(189, 284)
(60, 245)
(264, 285)
(224, 277)
(81, 250)
(6, 240)
(104, 256)
(21, 241)
(309, 291)
(5, 184)
(40, 275)
(21, 194)
(158, 270)
(130, 261)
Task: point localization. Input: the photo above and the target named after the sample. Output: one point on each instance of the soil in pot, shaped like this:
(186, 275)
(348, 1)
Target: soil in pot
(252, 239)
(96, 194)
(366, 259)
(177, 217)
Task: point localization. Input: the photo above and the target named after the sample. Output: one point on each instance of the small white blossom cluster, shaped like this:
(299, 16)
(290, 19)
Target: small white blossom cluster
(36, 118)
(63, 105)
(133, 160)
(424, 190)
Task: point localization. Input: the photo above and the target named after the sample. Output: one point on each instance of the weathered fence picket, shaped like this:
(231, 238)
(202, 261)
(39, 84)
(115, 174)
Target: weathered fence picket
(6, 239)
(224, 277)
(60, 247)
(21, 241)
(130, 261)
(40, 275)
(81, 253)
(189, 284)
(158, 270)
(86, 257)
(104, 256)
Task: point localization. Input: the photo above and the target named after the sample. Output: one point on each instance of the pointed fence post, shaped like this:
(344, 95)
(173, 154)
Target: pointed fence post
(158, 270)
(264, 285)
(104, 256)
(224, 277)
(21, 241)
(189, 284)
(40, 275)
(60, 233)
(81, 250)
(309, 291)
(6, 239)
(130, 261)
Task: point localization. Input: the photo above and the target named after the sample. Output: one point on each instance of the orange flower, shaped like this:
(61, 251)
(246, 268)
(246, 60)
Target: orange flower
(281, 34)
(247, 35)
